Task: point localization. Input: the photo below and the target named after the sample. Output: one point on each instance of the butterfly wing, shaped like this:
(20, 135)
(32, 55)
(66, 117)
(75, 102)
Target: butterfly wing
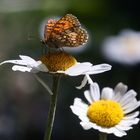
(67, 32)
(73, 37)
(48, 28)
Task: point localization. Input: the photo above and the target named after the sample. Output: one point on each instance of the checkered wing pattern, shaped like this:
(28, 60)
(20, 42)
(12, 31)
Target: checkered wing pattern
(66, 32)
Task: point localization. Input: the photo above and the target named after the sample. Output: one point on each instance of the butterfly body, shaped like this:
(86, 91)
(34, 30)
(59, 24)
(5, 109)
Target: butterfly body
(65, 32)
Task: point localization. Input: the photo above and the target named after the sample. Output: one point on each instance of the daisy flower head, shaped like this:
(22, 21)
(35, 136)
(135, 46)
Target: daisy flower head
(56, 63)
(124, 48)
(111, 111)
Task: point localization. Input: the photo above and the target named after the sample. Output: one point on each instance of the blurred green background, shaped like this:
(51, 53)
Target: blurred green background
(23, 101)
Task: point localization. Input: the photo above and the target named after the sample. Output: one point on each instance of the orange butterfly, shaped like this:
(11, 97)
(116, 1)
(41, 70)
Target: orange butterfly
(65, 32)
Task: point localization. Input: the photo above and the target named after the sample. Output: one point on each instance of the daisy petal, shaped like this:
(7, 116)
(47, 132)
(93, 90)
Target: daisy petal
(78, 69)
(130, 103)
(99, 69)
(107, 93)
(20, 62)
(21, 68)
(103, 129)
(114, 130)
(88, 96)
(86, 125)
(136, 105)
(78, 111)
(38, 66)
(79, 108)
(83, 118)
(132, 115)
(129, 122)
(42, 67)
(27, 58)
(95, 91)
(129, 95)
(120, 87)
(120, 133)
(93, 94)
(84, 81)
(89, 79)
(119, 90)
(124, 128)
(78, 102)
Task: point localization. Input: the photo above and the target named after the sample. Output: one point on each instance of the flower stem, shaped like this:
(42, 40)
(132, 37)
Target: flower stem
(52, 107)
(102, 136)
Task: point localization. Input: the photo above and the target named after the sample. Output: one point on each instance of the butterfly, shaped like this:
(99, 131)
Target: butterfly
(65, 32)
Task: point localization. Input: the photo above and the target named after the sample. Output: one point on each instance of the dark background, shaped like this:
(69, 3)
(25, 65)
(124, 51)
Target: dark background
(23, 101)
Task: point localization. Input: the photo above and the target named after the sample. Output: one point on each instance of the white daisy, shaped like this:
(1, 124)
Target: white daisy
(124, 48)
(112, 111)
(56, 63)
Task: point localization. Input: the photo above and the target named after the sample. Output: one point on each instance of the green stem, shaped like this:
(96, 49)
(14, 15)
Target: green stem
(52, 107)
(102, 136)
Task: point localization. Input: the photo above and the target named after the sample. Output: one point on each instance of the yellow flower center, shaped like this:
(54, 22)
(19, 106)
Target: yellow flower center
(106, 113)
(58, 61)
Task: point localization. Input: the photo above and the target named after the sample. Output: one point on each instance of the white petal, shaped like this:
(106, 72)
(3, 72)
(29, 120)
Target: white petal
(129, 122)
(80, 103)
(124, 128)
(89, 79)
(88, 96)
(100, 68)
(21, 68)
(20, 62)
(119, 90)
(95, 91)
(130, 94)
(116, 131)
(103, 129)
(93, 94)
(130, 103)
(84, 118)
(27, 58)
(86, 125)
(120, 133)
(107, 93)
(78, 69)
(89, 125)
(120, 87)
(32, 65)
(132, 115)
(132, 107)
(78, 111)
(40, 66)
(79, 108)
(113, 130)
(84, 81)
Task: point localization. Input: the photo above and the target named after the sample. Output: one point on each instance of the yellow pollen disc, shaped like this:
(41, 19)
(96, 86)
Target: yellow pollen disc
(106, 113)
(58, 61)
